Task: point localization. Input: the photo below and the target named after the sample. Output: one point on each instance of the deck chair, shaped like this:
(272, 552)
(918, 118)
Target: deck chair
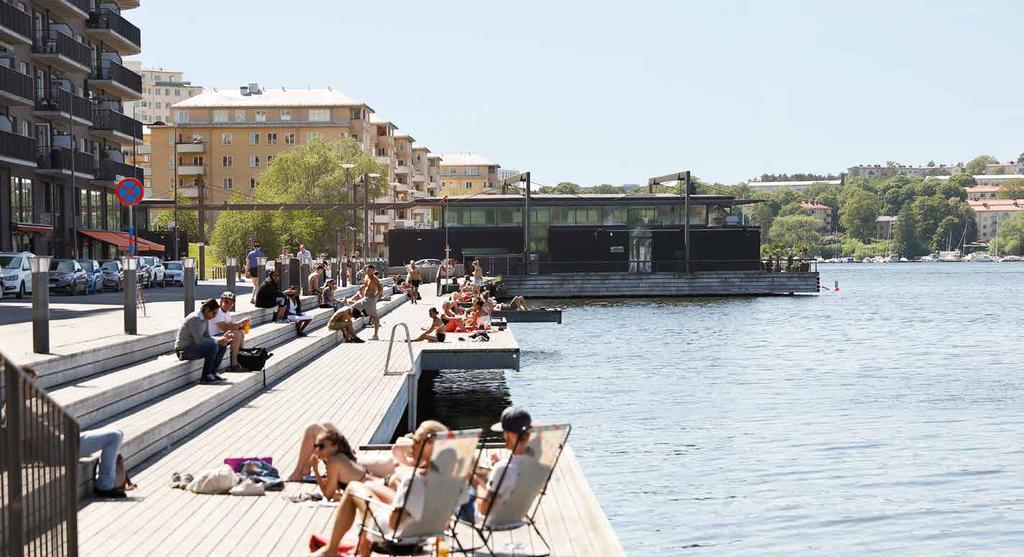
(445, 484)
(535, 468)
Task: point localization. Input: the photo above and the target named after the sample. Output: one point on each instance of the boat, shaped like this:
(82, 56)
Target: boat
(930, 258)
(1012, 259)
(952, 256)
(979, 257)
(894, 258)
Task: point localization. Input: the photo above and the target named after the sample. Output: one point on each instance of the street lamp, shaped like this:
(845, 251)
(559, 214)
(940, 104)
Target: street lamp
(366, 212)
(261, 272)
(130, 283)
(232, 269)
(189, 278)
(40, 267)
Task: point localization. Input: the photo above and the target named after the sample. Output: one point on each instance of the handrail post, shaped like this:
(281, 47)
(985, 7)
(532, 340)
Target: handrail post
(15, 507)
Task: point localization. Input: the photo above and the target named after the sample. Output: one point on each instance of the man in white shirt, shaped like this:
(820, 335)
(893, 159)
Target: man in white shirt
(303, 255)
(515, 426)
(224, 322)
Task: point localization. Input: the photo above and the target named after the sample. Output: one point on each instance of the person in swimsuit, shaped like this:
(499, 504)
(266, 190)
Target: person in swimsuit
(434, 333)
(371, 293)
(415, 279)
(340, 465)
(478, 273)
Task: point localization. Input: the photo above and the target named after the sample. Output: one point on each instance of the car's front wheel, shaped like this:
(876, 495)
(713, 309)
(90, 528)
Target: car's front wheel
(21, 290)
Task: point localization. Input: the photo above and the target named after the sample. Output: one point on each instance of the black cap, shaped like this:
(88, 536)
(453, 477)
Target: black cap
(513, 420)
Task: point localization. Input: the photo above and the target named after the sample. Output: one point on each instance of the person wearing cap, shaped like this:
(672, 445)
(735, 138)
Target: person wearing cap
(252, 266)
(224, 322)
(515, 427)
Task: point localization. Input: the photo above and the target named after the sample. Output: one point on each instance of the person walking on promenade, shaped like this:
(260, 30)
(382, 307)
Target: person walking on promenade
(251, 267)
(194, 342)
(478, 273)
(371, 294)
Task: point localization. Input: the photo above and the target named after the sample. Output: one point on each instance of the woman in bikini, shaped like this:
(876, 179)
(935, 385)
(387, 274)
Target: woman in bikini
(334, 451)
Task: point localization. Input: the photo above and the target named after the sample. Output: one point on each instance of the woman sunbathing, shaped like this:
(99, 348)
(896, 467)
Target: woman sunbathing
(379, 465)
(333, 450)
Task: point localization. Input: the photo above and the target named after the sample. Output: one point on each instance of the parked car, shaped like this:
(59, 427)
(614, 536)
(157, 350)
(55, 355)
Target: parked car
(92, 270)
(154, 270)
(112, 273)
(17, 276)
(68, 275)
(174, 273)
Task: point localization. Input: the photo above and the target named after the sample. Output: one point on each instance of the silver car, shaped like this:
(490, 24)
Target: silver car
(155, 267)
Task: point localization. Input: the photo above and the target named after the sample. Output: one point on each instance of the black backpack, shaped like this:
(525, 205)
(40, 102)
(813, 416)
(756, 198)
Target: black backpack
(253, 359)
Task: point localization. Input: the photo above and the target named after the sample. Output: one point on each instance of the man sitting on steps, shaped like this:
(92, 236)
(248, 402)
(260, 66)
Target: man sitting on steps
(342, 321)
(224, 322)
(194, 341)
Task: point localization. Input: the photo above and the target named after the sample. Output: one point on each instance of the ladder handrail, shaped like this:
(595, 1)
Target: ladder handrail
(391, 344)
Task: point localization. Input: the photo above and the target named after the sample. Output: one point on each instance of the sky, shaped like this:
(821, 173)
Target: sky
(591, 91)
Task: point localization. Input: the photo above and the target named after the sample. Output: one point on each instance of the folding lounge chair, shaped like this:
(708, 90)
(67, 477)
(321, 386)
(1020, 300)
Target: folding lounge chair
(536, 466)
(445, 484)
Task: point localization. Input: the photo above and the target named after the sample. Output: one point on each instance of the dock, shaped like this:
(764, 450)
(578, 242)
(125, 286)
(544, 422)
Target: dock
(172, 424)
(644, 285)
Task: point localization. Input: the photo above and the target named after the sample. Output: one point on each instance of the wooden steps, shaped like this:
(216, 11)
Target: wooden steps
(600, 285)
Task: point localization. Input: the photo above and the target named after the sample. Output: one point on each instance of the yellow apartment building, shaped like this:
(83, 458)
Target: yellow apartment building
(468, 174)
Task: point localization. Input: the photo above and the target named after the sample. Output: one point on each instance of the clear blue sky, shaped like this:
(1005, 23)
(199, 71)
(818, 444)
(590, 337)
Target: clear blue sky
(594, 91)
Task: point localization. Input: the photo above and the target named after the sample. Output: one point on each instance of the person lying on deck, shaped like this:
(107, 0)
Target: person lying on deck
(405, 485)
(451, 309)
(342, 321)
(379, 466)
(435, 332)
(516, 304)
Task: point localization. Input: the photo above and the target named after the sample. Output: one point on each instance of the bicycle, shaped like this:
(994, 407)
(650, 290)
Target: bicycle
(140, 298)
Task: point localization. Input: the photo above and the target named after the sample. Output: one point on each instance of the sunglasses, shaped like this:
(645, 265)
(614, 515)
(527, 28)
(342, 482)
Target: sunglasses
(319, 445)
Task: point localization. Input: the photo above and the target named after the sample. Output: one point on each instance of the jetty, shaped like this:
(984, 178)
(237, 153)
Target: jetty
(172, 424)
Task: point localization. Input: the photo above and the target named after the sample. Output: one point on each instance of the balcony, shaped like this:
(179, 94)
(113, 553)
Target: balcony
(15, 87)
(381, 219)
(63, 52)
(62, 106)
(118, 81)
(58, 161)
(191, 192)
(67, 9)
(117, 127)
(383, 159)
(115, 31)
(402, 169)
(192, 170)
(114, 171)
(191, 147)
(127, 4)
(17, 149)
(378, 238)
(15, 25)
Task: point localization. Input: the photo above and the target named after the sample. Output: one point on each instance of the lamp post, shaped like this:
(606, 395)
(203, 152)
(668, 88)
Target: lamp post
(282, 270)
(189, 263)
(261, 272)
(335, 270)
(202, 261)
(366, 212)
(131, 283)
(40, 267)
(232, 269)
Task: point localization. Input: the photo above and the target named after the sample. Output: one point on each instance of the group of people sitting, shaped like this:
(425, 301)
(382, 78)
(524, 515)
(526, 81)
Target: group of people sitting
(209, 332)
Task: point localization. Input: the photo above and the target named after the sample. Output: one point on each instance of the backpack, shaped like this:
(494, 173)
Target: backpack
(253, 359)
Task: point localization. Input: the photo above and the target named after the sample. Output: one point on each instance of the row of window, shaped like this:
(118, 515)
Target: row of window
(261, 115)
(466, 171)
(167, 92)
(581, 216)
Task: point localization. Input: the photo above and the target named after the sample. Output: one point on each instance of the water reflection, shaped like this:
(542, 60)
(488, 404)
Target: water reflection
(463, 399)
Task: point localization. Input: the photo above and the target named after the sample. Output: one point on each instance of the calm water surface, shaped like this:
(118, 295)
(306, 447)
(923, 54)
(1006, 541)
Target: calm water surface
(885, 419)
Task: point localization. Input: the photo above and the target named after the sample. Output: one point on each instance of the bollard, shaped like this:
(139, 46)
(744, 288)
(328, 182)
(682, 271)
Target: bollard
(261, 274)
(335, 266)
(304, 277)
(189, 263)
(202, 261)
(130, 283)
(232, 269)
(282, 272)
(293, 273)
(40, 267)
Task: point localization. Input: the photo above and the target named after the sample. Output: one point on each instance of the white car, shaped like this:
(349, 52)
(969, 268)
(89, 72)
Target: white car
(17, 275)
(174, 273)
(156, 270)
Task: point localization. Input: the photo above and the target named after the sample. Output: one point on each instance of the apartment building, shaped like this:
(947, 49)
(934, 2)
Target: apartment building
(820, 212)
(160, 89)
(795, 185)
(882, 170)
(468, 174)
(991, 212)
(63, 127)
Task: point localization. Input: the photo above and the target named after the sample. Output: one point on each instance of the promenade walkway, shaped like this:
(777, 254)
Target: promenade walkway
(345, 385)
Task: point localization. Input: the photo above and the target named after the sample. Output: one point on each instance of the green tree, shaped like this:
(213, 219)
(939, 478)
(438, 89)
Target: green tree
(1011, 189)
(790, 209)
(607, 188)
(1010, 240)
(977, 164)
(564, 188)
(905, 234)
(799, 233)
(963, 180)
(188, 221)
(858, 215)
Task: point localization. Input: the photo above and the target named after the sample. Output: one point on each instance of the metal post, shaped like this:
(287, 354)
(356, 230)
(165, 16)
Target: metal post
(15, 505)
(335, 270)
(294, 273)
(282, 272)
(189, 277)
(304, 277)
(74, 194)
(366, 216)
(686, 224)
(232, 270)
(130, 284)
(526, 227)
(41, 305)
(202, 261)
(261, 272)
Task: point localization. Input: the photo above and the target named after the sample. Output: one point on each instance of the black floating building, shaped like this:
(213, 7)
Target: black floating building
(614, 233)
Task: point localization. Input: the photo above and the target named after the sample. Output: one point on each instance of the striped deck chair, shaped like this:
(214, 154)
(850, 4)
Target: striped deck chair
(533, 472)
(428, 508)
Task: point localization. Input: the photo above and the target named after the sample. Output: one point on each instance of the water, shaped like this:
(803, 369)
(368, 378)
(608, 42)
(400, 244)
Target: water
(884, 419)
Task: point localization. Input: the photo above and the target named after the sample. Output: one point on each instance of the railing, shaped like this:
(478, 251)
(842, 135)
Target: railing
(14, 82)
(39, 465)
(65, 101)
(80, 4)
(107, 119)
(512, 264)
(107, 19)
(16, 146)
(114, 170)
(64, 45)
(112, 71)
(16, 20)
(59, 158)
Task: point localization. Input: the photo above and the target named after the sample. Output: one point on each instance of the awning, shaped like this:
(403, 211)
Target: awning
(29, 228)
(120, 240)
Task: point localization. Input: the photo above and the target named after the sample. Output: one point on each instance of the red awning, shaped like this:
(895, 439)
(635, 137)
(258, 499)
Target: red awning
(28, 228)
(120, 240)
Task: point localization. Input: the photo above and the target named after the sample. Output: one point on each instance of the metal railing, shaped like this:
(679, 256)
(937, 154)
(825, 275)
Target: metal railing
(15, 82)
(58, 43)
(16, 20)
(107, 119)
(39, 465)
(107, 19)
(511, 265)
(61, 100)
(114, 170)
(59, 158)
(18, 147)
(112, 71)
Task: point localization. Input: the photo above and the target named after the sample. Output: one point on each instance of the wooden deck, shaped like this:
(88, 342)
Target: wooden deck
(347, 386)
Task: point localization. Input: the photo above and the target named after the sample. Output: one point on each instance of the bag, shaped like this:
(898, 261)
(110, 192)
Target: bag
(213, 481)
(253, 359)
(236, 463)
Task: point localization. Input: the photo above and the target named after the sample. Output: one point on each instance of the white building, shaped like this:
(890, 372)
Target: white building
(881, 170)
(800, 185)
(160, 89)
(991, 212)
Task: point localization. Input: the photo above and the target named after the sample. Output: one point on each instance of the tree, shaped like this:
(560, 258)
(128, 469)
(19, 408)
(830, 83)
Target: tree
(798, 233)
(1011, 189)
(310, 173)
(562, 188)
(1010, 240)
(905, 234)
(977, 164)
(607, 188)
(188, 221)
(858, 215)
(963, 180)
(790, 209)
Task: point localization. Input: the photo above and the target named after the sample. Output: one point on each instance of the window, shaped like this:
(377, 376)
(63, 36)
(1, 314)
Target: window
(21, 199)
(286, 114)
(177, 92)
(180, 117)
(271, 139)
(227, 161)
(225, 139)
(469, 185)
(357, 113)
(252, 183)
(320, 115)
(310, 136)
(254, 161)
(239, 115)
(261, 115)
(254, 138)
(167, 92)
(270, 159)
(220, 116)
(228, 184)
(289, 139)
